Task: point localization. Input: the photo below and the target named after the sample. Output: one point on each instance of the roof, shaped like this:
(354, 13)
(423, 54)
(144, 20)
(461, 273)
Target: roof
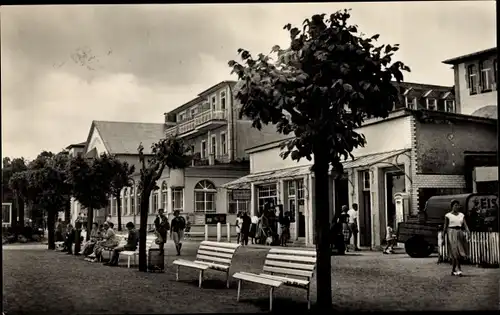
(124, 137)
(299, 171)
(474, 55)
(76, 145)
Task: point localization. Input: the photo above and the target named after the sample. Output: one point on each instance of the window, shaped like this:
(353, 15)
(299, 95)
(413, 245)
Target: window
(111, 206)
(449, 106)
(295, 196)
(182, 116)
(472, 78)
(164, 196)
(124, 201)
(203, 153)
(411, 102)
(223, 144)
(154, 207)
(204, 196)
(366, 180)
(214, 102)
(266, 193)
(193, 112)
(177, 199)
(138, 208)
(131, 209)
(485, 68)
(431, 104)
(239, 200)
(213, 144)
(223, 101)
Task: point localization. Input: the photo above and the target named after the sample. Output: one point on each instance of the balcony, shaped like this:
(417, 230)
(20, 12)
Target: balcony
(212, 159)
(199, 124)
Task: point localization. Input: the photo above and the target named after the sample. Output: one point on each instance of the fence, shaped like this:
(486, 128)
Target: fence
(483, 249)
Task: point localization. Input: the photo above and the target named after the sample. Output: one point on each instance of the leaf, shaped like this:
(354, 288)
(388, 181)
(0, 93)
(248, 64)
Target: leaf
(375, 37)
(347, 87)
(388, 49)
(231, 63)
(287, 26)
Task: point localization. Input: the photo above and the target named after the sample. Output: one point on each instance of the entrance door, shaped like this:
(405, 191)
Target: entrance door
(302, 222)
(365, 222)
(395, 183)
(341, 195)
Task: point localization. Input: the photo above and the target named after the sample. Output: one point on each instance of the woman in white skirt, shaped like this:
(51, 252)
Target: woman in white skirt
(456, 232)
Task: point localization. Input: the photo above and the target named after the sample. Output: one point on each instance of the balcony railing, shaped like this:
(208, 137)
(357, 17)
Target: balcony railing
(196, 121)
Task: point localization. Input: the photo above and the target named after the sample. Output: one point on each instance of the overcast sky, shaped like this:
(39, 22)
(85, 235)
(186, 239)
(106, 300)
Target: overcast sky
(148, 59)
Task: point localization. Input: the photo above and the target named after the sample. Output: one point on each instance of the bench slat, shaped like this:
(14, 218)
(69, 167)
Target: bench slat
(191, 264)
(215, 254)
(274, 263)
(285, 271)
(213, 259)
(257, 279)
(219, 249)
(286, 280)
(217, 244)
(298, 252)
(213, 265)
(301, 259)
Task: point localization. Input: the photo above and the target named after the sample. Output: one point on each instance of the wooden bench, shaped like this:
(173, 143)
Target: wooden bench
(289, 267)
(134, 253)
(188, 235)
(59, 245)
(211, 255)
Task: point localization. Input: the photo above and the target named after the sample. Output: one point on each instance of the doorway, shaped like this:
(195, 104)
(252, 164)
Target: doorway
(365, 222)
(341, 194)
(302, 220)
(395, 182)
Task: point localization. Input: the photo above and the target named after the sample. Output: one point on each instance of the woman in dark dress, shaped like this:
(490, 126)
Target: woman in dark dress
(285, 228)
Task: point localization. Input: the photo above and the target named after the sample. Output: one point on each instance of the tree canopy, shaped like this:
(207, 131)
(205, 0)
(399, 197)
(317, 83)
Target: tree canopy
(122, 174)
(320, 89)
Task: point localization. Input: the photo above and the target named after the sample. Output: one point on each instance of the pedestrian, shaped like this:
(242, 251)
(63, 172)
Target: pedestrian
(456, 233)
(70, 239)
(238, 227)
(343, 220)
(161, 229)
(177, 227)
(390, 238)
(285, 229)
(353, 224)
(59, 231)
(245, 228)
(253, 228)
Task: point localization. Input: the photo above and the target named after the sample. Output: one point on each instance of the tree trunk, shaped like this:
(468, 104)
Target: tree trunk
(90, 221)
(14, 211)
(322, 227)
(20, 210)
(143, 231)
(67, 215)
(51, 216)
(119, 211)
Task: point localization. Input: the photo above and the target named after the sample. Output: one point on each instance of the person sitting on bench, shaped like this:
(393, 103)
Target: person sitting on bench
(88, 247)
(132, 240)
(110, 241)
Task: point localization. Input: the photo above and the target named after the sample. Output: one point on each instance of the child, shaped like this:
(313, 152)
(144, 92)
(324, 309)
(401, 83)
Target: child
(390, 239)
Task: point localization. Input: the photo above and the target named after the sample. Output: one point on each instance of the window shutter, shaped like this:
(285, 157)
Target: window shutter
(467, 76)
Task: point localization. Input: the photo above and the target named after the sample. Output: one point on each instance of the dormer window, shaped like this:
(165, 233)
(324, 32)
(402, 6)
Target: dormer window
(411, 102)
(431, 104)
(449, 106)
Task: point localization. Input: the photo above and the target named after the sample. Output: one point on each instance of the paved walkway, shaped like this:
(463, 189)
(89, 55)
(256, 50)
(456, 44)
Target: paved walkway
(40, 281)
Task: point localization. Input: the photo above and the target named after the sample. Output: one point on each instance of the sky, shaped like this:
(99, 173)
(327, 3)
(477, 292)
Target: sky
(64, 66)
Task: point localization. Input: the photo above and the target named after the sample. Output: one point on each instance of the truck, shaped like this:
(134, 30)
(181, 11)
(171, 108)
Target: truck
(420, 233)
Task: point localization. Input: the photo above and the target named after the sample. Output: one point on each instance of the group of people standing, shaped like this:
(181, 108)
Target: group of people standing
(270, 226)
(344, 227)
(176, 227)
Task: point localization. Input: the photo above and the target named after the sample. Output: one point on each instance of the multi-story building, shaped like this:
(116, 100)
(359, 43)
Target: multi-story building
(76, 149)
(210, 124)
(476, 82)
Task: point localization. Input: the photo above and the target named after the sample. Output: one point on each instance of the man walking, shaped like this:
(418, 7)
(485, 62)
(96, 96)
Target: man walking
(353, 224)
(177, 230)
(161, 229)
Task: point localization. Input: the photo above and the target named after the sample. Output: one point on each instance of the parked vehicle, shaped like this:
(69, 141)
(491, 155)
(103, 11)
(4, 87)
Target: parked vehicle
(419, 234)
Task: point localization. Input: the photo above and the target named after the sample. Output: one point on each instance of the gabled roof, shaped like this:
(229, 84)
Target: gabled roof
(120, 137)
(76, 145)
(474, 55)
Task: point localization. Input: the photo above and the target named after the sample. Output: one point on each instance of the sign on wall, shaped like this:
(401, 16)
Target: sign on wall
(214, 218)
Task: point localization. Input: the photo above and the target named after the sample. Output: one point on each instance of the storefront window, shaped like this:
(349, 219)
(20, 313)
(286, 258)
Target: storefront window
(295, 196)
(204, 196)
(266, 193)
(239, 200)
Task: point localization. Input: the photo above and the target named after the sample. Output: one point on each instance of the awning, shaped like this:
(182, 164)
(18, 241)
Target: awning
(299, 171)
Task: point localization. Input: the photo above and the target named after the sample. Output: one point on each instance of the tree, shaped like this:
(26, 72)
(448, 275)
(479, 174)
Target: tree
(12, 189)
(169, 152)
(122, 173)
(320, 89)
(91, 184)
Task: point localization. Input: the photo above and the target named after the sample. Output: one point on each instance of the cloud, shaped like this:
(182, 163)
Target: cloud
(135, 62)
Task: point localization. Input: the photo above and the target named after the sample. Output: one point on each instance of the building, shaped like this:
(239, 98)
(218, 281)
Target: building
(431, 153)
(76, 149)
(218, 137)
(476, 82)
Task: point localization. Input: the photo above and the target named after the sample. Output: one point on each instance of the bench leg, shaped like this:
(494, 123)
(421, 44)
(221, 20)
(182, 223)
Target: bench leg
(308, 297)
(135, 260)
(128, 262)
(227, 279)
(177, 273)
(239, 290)
(271, 291)
(200, 280)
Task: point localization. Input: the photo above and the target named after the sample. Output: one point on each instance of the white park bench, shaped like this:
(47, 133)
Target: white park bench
(134, 253)
(189, 235)
(289, 267)
(210, 255)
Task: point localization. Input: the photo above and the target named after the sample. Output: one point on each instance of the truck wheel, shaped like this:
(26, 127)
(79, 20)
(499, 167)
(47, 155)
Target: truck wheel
(418, 248)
